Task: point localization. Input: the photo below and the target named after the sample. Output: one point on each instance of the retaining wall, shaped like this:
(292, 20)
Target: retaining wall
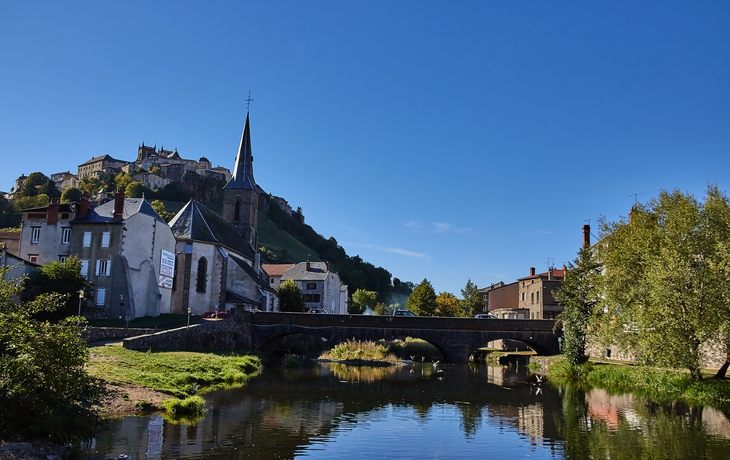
(95, 334)
(224, 334)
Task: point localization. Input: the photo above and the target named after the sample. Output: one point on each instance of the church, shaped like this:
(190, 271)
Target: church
(217, 265)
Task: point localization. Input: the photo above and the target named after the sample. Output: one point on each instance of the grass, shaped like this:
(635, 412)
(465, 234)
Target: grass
(276, 240)
(659, 385)
(353, 350)
(177, 373)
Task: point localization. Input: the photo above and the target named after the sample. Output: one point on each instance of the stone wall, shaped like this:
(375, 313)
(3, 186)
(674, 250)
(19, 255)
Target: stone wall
(222, 334)
(95, 334)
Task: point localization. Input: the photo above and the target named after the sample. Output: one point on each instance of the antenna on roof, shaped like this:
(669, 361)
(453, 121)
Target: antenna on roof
(550, 261)
(635, 195)
(248, 102)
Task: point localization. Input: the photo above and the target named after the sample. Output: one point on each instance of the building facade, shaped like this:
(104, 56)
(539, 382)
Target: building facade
(536, 293)
(45, 234)
(321, 287)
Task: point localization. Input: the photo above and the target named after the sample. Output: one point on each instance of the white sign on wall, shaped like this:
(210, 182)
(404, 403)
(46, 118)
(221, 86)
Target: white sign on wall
(167, 263)
(164, 282)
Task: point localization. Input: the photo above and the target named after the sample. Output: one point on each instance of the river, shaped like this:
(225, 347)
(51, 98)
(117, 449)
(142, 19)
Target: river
(418, 411)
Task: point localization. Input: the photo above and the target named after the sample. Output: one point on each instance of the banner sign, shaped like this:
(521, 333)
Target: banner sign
(167, 263)
(164, 282)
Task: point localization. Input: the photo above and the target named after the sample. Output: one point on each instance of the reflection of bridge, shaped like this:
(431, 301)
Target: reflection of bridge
(455, 338)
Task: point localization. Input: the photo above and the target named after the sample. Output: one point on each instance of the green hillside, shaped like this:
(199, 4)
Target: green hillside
(278, 246)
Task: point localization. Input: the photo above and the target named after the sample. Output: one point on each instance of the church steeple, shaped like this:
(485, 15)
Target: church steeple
(240, 194)
(243, 171)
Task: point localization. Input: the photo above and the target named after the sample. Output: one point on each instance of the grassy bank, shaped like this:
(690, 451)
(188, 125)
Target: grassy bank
(178, 373)
(659, 385)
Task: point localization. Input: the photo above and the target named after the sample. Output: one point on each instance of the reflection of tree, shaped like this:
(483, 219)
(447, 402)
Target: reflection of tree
(361, 373)
(471, 416)
(646, 431)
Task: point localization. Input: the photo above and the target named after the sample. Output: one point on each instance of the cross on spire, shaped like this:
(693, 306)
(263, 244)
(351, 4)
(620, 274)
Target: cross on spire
(248, 102)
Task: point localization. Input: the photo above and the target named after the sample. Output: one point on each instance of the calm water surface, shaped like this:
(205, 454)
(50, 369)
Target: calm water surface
(332, 411)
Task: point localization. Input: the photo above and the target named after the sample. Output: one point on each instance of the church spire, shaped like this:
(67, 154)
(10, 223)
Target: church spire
(243, 171)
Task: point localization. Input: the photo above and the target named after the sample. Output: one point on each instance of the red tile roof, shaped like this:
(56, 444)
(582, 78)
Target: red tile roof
(276, 269)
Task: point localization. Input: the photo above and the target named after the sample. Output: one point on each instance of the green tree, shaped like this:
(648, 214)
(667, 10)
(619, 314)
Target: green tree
(156, 170)
(362, 299)
(160, 209)
(32, 185)
(579, 294)
(290, 297)
(49, 188)
(42, 376)
(30, 202)
(134, 190)
(71, 195)
(90, 185)
(9, 216)
(471, 302)
(422, 300)
(448, 305)
(62, 278)
(122, 181)
(666, 279)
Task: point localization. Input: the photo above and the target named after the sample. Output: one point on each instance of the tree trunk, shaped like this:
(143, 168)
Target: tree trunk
(721, 372)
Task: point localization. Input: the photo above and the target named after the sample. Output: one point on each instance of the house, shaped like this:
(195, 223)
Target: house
(10, 241)
(502, 299)
(45, 234)
(275, 272)
(536, 293)
(17, 267)
(100, 166)
(127, 251)
(320, 286)
(217, 268)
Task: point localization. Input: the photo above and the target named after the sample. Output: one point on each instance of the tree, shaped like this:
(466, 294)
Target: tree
(122, 181)
(30, 202)
(361, 300)
(71, 195)
(471, 302)
(666, 279)
(90, 185)
(422, 300)
(32, 185)
(62, 278)
(49, 188)
(134, 190)
(160, 209)
(9, 216)
(579, 294)
(448, 305)
(290, 297)
(42, 376)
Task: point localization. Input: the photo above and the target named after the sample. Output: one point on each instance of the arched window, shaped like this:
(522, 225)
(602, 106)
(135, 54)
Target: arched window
(202, 275)
(237, 212)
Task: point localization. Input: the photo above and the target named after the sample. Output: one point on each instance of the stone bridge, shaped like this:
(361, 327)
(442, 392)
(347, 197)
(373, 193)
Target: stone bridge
(455, 338)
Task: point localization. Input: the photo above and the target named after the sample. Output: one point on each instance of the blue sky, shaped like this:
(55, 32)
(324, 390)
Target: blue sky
(439, 140)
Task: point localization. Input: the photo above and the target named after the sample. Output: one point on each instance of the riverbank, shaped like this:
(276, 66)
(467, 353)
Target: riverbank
(658, 385)
(143, 381)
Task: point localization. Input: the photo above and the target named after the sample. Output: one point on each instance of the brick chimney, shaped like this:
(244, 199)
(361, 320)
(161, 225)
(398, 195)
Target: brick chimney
(532, 271)
(309, 266)
(328, 265)
(119, 205)
(586, 236)
(52, 214)
(550, 274)
(83, 205)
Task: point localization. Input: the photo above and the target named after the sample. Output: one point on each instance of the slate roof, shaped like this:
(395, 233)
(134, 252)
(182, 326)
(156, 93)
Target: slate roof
(105, 212)
(243, 172)
(198, 223)
(276, 269)
(99, 158)
(252, 273)
(317, 271)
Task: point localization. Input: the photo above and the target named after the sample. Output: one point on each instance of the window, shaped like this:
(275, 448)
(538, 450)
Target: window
(311, 286)
(532, 297)
(520, 316)
(65, 235)
(102, 267)
(62, 258)
(105, 237)
(87, 239)
(202, 279)
(100, 296)
(311, 297)
(538, 296)
(35, 234)
(84, 268)
(523, 296)
(237, 211)
(485, 297)
(271, 280)
(33, 258)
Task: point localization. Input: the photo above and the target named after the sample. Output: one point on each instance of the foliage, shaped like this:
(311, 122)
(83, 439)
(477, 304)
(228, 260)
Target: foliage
(33, 185)
(31, 202)
(122, 181)
(192, 405)
(290, 297)
(63, 278)
(42, 375)
(666, 277)
(176, 373)
(422, 300)
(354, 350)
(9, 216)
(71, 195)
(471, 302)
(361, 300)
(448, 305)
(579, 294)
(156, 170)
(135, 190)
(90, 185)
(160, 209)
(413, 349)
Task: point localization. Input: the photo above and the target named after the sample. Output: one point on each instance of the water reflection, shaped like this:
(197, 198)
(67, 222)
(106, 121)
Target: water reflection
(465, 411)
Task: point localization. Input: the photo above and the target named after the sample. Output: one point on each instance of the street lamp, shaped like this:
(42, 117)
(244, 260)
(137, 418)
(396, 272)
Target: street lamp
(189, 311)
(81, 299)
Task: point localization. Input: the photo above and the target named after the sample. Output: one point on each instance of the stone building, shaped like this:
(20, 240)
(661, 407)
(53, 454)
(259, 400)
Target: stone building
(100, 166)
(125, 248)
(45, 234)
(321, 287)
(536, 293)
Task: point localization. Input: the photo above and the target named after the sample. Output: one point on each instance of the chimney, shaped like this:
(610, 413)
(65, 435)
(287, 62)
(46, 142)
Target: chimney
(309, 266)
(328, 265)
(550, 274)
(83, 205)
(586, 236)
(119, 205)
(52, 214)
(565, 268)
(532, 271)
